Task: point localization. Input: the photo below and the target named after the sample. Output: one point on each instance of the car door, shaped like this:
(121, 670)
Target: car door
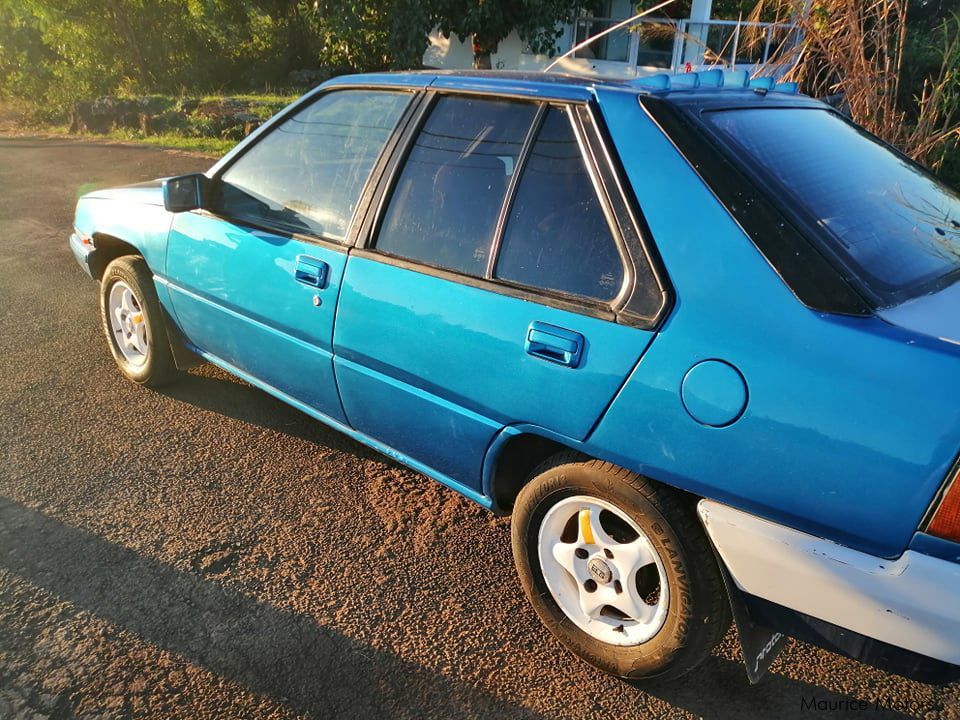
(254, 283)
(489, 290)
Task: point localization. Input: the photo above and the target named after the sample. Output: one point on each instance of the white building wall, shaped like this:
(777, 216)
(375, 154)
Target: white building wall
(450, 53)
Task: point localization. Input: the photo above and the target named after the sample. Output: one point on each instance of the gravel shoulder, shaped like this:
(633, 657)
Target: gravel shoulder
(208, 552)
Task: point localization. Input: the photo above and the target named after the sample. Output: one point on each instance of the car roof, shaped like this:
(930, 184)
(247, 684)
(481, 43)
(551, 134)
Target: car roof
(697, 90)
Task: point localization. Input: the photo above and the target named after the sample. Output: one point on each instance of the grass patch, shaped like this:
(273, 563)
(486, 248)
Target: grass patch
(282, 98)
(209, 124)
(214, 147)
(204, 145)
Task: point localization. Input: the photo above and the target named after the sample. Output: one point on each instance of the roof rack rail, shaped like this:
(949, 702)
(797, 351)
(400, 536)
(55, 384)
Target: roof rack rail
(716, 78)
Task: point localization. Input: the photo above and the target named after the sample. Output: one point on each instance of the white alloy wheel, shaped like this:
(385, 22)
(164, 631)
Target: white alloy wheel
(127, 323)
(612, 585)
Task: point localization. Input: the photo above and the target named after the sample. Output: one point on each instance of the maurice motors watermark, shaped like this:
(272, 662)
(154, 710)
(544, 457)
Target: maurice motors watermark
(833, 705)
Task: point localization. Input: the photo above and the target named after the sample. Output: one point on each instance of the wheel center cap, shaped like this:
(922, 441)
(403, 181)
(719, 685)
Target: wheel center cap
(600, 571)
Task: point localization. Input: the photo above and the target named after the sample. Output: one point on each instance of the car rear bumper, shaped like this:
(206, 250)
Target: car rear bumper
(83, 252)
(912, 602)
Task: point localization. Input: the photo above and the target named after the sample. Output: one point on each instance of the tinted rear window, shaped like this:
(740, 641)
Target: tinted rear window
(892, 225)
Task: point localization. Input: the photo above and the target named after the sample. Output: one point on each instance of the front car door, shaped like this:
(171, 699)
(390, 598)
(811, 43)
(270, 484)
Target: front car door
(497, 287)
(254, 283)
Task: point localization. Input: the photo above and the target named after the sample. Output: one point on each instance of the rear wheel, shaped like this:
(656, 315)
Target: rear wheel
(133, 322)
(618, 568)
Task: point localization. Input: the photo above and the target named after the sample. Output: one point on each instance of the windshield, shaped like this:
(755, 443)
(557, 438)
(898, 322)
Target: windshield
(895, 227)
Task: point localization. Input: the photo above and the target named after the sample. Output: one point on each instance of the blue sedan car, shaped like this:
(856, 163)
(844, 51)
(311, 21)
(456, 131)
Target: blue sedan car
(699, 335)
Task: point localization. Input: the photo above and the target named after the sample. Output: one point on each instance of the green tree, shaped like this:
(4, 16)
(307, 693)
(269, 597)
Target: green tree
(24, 58)
(115, 41)
(367, 35)
(57, 53)
(294, 39)
(79, 48)
(488, 22)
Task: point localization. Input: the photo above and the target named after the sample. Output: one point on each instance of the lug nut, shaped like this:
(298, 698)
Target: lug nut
(590, 586)
(608, 553)
(581, 553)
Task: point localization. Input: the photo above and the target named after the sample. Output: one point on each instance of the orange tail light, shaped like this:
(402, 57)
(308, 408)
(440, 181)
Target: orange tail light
(945, 522)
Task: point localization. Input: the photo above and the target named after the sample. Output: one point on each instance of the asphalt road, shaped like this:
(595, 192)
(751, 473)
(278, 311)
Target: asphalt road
(208, 552)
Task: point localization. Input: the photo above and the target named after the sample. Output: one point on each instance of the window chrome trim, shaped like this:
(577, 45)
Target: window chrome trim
(386, 183)
(570, 303)
(629, 218)
(607, 182)
(411, 114)
(626, 262)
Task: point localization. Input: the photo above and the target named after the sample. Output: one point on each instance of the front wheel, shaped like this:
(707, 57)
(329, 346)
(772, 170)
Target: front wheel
(618, 568)
(133, 322)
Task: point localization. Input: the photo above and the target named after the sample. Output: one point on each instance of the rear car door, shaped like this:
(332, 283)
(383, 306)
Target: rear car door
(496, 287)
(254, 283)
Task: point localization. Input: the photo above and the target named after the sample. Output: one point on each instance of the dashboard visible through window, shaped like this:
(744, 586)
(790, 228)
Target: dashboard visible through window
(307, 174)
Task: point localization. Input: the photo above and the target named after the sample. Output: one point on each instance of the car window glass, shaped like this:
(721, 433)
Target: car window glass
(445, 205)
(894, 226)
(307, 174)
(557, 236)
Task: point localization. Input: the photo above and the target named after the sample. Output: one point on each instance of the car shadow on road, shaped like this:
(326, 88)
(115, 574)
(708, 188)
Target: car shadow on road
(212, 389)
(285, 656)
(718, 688)
(297, 662)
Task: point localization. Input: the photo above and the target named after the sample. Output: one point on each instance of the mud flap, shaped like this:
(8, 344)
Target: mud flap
(760, 645)
(183, 358)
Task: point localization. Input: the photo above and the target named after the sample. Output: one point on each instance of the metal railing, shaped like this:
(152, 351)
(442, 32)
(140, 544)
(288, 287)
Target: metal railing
(672, 44)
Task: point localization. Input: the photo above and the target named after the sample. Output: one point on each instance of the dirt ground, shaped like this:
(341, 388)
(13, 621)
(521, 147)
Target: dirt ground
(208, 552)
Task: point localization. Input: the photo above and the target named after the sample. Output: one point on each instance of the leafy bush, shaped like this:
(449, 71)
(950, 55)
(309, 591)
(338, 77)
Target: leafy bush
(949, 170)
(58, 53)
(897, 66)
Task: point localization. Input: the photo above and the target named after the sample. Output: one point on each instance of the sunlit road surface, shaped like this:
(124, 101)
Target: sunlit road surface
(208, 552)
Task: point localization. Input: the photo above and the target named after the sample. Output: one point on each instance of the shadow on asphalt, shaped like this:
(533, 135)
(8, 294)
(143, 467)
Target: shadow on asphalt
(211, 389)
(288, 657)
(696, 693)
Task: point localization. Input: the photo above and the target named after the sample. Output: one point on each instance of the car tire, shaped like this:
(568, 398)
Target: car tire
(133, 322)
(646, 537)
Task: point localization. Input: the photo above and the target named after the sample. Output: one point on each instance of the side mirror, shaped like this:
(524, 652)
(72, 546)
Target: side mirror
(185, 192)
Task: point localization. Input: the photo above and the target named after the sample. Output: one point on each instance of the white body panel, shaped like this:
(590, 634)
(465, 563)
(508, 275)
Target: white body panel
(934, 315)
(912, 602)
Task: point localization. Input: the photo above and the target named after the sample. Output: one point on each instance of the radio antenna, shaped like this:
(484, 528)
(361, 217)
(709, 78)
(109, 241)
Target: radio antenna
(607, 32)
